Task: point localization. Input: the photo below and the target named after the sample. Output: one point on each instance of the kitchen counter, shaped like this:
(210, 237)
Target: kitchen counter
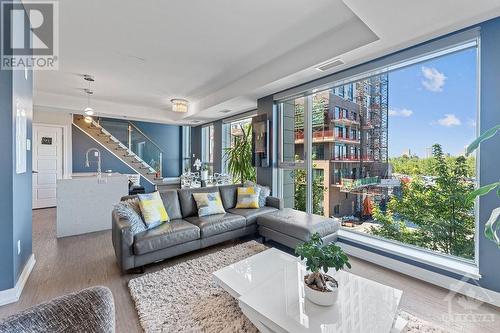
(85, 202)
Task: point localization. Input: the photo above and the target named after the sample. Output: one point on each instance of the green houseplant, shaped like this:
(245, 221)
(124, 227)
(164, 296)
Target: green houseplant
(239, 156)
(493, 224)
(320, 287)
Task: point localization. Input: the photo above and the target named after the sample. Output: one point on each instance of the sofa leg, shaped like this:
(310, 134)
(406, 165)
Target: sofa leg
(136, 270)
(263, 239)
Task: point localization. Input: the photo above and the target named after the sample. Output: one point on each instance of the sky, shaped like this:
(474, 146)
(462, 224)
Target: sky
(434, 102)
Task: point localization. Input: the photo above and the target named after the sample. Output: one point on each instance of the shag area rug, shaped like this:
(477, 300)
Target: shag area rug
(184, 297)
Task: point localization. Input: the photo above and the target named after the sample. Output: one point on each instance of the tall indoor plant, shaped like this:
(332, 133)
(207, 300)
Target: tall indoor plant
(239, 156)
(493, 224)
(321, 288)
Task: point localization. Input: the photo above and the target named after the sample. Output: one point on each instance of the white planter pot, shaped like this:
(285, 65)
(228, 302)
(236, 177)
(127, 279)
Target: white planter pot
(204, 175)
(324, 298)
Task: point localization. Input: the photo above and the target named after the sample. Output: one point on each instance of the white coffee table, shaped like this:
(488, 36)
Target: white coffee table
(270, 291)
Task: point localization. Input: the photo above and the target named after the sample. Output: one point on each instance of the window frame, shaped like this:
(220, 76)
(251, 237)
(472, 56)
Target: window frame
(420, 53)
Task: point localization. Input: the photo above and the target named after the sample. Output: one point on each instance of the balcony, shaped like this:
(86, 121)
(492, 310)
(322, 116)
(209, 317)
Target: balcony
(346, 139)
(326, 136)
(349, 159)
(351, 184)
(346, 121)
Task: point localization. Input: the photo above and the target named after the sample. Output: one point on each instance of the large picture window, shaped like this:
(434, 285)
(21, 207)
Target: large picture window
(388, 151)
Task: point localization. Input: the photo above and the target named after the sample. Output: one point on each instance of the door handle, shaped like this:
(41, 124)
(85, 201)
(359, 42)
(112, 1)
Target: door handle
(34, 171)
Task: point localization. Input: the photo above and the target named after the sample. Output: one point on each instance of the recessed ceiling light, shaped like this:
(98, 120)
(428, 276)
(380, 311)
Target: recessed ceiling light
(330, 64)
(225, 111)
(195, 121)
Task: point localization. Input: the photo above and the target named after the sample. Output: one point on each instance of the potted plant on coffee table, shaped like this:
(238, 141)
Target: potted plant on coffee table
(321, 288)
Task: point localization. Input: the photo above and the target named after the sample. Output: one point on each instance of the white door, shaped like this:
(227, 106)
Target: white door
(47, 164)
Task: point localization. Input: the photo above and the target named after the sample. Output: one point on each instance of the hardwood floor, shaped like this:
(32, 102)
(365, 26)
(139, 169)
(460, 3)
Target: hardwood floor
(73, 263)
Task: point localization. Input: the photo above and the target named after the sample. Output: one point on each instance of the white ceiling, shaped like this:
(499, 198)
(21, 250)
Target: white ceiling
(224, 54)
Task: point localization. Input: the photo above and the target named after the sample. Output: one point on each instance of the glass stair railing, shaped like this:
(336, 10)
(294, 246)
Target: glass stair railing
(136, 141)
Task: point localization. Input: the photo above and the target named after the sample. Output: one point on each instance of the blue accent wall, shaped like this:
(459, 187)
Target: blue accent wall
(6, 165)
(489, 157)
(82, 142)
(169, 139)
(15, 194)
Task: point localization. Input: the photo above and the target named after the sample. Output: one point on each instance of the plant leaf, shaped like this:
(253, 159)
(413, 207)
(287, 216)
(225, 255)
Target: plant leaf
(486, 135)
(482, 191)
(490, 229)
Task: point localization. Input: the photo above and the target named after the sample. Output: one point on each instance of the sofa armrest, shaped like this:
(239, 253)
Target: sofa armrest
(123, 240)
(274, 202)
(89, 310)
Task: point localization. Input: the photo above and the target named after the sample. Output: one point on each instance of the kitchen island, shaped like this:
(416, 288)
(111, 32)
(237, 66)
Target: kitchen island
(85, 202)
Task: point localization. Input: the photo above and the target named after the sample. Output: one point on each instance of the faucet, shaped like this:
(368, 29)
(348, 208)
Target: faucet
(87, 162)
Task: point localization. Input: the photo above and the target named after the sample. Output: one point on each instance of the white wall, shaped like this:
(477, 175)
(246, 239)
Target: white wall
(45, 116)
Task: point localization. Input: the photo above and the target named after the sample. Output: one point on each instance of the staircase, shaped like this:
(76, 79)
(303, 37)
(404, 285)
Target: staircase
(117, 148)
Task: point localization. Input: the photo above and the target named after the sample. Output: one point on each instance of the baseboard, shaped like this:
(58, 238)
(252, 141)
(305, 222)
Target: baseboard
(472, 290)
(12, 295)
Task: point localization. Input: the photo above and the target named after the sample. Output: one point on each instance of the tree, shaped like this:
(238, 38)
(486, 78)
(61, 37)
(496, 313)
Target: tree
(440, 211)
(415, 166)
(239, 156)
(301, 191)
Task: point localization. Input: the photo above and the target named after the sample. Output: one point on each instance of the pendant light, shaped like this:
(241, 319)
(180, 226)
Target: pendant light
(89, 111)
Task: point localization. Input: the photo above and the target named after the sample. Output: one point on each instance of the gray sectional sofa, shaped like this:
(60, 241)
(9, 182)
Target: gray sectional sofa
(186, 231)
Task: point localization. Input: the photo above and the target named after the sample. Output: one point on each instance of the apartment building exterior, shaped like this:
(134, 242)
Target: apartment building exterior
(349, 141)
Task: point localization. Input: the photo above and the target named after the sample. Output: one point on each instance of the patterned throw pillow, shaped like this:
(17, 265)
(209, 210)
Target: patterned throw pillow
(265, 191)
(208, 203)
(126, 211)
(152, 209)
(248, 197)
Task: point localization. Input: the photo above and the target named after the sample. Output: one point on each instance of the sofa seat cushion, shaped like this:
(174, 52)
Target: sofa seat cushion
(298, 224)
(217, 224)
(251, 214)
(165, 235)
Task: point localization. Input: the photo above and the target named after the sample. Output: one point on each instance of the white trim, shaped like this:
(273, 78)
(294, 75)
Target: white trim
(112, 152)
(12, 295)
(443, 262)
(454, 285)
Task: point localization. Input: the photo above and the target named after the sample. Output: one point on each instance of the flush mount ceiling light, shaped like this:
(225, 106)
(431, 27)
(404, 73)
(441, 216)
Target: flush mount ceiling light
(179, 105)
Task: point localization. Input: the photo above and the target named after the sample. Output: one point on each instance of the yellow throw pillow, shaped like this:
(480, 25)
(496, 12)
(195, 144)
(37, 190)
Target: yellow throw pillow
(208, 203)
(248, 197)
(152, 209)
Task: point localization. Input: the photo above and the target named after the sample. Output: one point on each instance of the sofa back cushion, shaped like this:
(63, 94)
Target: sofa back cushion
(152, 209)
(170, 200)
(228, 194)
(188, 205)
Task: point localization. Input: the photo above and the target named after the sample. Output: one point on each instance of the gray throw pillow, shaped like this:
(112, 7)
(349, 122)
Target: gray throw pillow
(126, 210)
(263, 194)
